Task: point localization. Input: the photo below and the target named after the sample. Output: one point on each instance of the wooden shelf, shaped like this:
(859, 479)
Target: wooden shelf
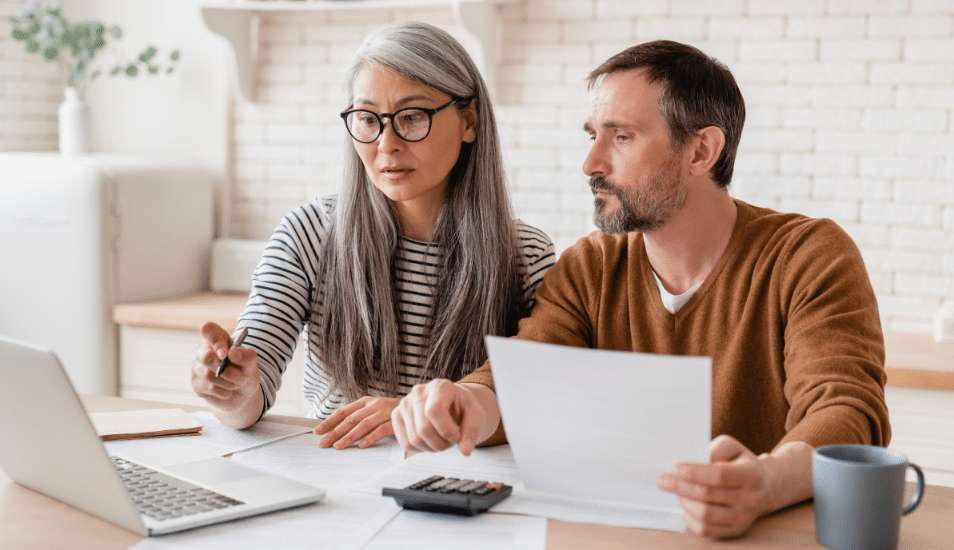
(238, 22)
(914, 361)
(917, 361)
(186, 312)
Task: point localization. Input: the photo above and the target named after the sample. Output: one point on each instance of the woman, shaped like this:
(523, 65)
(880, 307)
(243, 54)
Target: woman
(398, 278)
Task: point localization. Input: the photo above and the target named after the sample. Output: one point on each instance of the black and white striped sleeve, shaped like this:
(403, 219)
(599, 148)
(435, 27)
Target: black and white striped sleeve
(539, 255)
(279, 304)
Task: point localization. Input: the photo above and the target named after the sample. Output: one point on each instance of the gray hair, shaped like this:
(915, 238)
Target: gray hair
(480, 283)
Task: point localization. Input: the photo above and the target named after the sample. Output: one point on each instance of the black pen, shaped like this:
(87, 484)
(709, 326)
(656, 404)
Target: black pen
(237, 343)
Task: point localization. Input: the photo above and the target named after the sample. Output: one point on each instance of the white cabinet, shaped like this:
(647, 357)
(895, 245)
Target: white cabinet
(922, 425)
(79, 234)
(158, 342)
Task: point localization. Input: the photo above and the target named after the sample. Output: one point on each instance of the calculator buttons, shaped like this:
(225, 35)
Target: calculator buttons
(449, 495)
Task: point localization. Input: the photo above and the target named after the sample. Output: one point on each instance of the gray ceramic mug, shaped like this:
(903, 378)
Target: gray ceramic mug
(859, 494)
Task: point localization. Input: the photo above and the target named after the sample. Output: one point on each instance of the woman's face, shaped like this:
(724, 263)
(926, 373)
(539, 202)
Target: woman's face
(412, 174)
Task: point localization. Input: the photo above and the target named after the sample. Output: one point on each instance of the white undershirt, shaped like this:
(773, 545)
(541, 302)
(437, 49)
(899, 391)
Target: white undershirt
(671, 302)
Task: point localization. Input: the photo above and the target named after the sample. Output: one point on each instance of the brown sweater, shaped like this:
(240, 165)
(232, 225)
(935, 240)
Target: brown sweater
(788, 316)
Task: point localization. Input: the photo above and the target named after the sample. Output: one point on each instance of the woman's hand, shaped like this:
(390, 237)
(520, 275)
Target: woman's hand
(368, 419)
(235, 393)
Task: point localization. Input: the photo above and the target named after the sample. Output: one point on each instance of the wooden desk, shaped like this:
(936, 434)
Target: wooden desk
(30, 520)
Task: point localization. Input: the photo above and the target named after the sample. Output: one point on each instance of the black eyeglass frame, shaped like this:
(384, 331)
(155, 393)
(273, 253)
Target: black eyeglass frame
(430, 120)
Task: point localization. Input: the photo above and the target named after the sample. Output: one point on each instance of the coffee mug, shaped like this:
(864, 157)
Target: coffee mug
(859, 493)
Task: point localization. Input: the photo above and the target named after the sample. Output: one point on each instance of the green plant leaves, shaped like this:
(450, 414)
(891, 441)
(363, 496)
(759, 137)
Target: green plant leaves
(45, 31)
(148, 54)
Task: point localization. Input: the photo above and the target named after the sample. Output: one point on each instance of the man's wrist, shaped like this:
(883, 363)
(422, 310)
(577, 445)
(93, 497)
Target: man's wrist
(486, 399)
(788, 476)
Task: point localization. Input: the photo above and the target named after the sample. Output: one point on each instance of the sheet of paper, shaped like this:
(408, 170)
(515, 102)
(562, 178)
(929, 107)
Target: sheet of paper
(525, 502)
(217, 438)
(330, 524)
(425, 531)
(489, 464)
(300, 458)
(599, 427)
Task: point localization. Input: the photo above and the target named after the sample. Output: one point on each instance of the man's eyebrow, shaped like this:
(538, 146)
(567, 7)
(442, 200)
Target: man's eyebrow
(587, 127)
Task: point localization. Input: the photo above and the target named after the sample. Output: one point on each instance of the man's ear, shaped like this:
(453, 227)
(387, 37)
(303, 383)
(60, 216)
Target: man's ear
(707, 147)
(470, 117)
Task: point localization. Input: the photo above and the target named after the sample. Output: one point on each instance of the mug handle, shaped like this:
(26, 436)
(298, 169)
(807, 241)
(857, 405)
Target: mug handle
(918, 491)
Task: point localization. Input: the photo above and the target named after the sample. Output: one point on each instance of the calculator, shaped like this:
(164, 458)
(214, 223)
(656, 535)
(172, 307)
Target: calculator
(449, 495)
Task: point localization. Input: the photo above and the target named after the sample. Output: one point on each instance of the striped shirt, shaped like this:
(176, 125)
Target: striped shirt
(284, 299)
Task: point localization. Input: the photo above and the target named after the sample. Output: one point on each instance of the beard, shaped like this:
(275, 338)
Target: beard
(643, 207)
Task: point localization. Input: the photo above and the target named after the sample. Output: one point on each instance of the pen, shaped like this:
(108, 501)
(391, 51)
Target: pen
(237, 343)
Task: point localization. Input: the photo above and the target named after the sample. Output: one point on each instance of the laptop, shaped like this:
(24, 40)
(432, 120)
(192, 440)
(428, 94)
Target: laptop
(48, 444)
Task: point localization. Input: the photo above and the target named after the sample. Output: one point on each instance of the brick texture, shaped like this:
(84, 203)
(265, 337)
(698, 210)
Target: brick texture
(850, 102)
(850, 117)
(30, 92)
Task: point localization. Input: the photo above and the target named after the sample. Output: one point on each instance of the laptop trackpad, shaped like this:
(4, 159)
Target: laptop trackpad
(214, 471)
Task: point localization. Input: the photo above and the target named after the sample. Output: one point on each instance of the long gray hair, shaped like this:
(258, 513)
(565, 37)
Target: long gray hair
(480, 283)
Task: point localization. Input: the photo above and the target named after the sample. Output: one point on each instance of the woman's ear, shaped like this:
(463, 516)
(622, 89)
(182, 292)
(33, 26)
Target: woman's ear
(707, 148)
(470, 118)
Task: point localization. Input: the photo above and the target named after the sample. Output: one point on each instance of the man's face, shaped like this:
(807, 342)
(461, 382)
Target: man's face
(635, 176)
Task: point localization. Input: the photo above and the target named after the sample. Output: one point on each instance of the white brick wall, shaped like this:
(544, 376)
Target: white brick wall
(850, 116)
(30, 92)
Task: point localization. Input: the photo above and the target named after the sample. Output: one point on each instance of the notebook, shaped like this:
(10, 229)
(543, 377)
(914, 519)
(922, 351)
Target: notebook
(48, 444)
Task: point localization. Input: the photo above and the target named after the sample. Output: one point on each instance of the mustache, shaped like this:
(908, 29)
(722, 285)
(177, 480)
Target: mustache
(600, 183)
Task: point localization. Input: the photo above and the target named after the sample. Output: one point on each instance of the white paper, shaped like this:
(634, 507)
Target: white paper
(598, 427)
(484, 464)
(328, 524)
(591, 511)
(216, 438)
(423, 531)
(300, 458)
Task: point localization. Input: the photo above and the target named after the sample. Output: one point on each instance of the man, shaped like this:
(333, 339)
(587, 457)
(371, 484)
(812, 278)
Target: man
(782, 303)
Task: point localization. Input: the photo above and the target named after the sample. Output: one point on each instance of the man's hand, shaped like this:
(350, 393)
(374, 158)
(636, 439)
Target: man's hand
(368, 419)
(235, 394)
(723, 498)
(439, 414)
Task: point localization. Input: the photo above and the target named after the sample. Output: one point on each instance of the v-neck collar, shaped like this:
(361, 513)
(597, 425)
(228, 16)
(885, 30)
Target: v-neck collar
(637, 246)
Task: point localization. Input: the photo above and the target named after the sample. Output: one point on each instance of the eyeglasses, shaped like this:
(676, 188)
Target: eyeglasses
(410, 124)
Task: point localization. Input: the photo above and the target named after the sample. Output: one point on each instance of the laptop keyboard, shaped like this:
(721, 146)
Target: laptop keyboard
(164, 497)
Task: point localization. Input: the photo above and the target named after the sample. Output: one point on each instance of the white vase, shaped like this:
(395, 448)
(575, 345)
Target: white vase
(76, 135)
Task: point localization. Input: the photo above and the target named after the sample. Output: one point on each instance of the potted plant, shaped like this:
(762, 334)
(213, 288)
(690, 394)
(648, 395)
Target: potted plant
(47, 33)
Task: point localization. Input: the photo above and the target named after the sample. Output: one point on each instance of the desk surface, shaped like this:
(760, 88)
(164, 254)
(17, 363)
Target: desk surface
(31, 520)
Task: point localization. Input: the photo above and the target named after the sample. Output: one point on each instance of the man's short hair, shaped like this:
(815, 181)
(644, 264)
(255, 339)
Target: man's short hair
(697, 91)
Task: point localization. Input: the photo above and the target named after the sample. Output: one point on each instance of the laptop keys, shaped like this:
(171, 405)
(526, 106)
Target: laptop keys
(163, 497)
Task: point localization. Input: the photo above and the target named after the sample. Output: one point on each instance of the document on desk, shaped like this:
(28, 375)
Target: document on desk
(426, 530)
(592, 430)
(300, 458)
(423, 530)
(327, 525)
(217, 438)
(485, 463)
